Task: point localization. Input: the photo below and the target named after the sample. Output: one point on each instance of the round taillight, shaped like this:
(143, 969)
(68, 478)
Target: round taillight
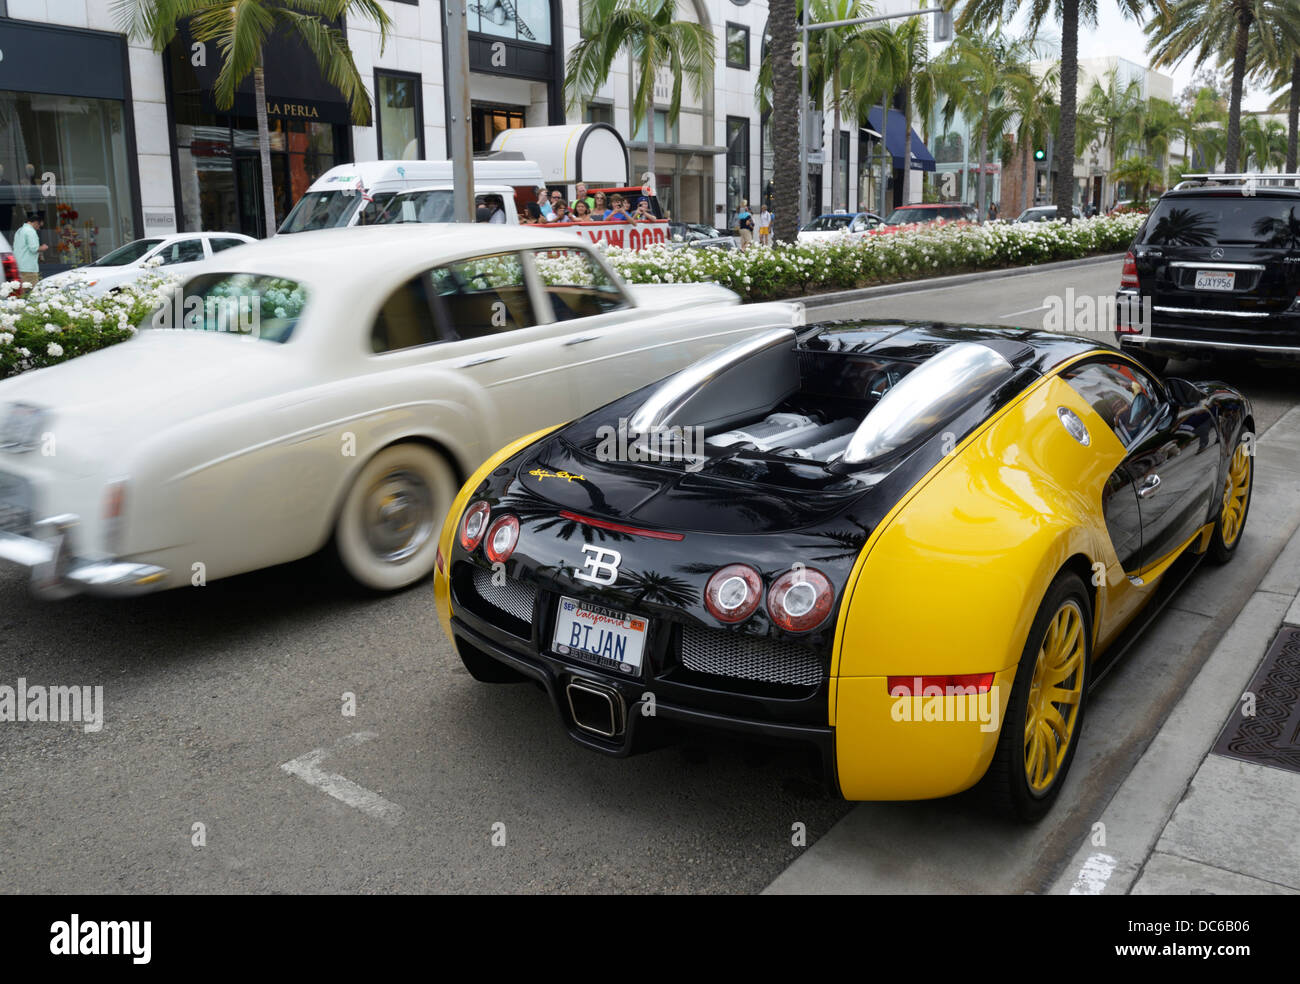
(733, 593)
(474, 525)
(501, 539)
(800, 599)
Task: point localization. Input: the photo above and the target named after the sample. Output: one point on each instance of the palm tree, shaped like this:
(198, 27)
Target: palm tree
(240, 30)
(1278, 67)
(921, 82)
(1198, 27)
(1036, 113)
(1117, 109)
(876, 70)
(991, 14)
(1264, 143)
(1205, 127)
(1137, 174)
(653, 40)
(986, 79)
(1160, 125)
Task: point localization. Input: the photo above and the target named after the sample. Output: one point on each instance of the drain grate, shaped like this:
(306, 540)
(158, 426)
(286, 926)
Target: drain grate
(1272, 736)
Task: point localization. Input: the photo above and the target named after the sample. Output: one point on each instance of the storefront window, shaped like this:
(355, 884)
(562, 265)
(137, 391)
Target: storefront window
(737, 164)
(487, 121)
(66, 157)
(663, 132)
(401, 128)
(520, 20)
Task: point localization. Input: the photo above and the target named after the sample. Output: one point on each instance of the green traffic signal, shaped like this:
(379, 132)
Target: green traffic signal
(1040, 154)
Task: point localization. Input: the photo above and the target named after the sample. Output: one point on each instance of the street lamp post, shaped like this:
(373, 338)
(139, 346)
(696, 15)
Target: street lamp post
(804, 29)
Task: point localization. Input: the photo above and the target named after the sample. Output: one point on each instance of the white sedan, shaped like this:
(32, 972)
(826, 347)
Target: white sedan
(178, 253)
(332, 388)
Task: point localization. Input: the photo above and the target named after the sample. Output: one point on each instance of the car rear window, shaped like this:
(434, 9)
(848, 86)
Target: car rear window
(1222, 220)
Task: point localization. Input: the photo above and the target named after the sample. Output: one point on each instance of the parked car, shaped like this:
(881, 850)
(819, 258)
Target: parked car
(330, 388)
(1216, 266)
(832, 224)
(926, 212)
(681, 234)
(8, 263)
(179, 253)
(1045, 213)
(913, 547)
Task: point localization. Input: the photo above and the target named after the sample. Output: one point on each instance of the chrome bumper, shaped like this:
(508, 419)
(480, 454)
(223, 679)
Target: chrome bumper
(56, 571)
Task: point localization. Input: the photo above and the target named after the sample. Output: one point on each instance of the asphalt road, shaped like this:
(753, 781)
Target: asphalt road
(209, 693)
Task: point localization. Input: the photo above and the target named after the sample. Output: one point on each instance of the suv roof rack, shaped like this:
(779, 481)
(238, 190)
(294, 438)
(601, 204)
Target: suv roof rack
(1248, 180)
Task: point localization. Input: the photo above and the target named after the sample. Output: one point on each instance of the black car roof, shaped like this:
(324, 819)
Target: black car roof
(918, 340)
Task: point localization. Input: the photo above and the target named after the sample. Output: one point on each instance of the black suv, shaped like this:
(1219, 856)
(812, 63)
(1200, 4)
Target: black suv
(1218, 263)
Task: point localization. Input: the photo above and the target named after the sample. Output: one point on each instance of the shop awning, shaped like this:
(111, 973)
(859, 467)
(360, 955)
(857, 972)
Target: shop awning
(922, 159)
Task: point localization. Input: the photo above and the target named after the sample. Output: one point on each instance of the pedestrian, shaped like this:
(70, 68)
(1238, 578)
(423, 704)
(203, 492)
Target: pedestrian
(581, 211)
(745, 223)
(28, 248)
(583, 196)
(765, 226)
(618, 210)
(544, 201)
(557, 199)
(532, 214)
(643, 213)
(599, 206)
(561, 211)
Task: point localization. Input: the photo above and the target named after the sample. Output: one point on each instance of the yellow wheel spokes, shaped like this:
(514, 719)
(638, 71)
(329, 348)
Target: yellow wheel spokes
(1235, 490)
(1055, 692)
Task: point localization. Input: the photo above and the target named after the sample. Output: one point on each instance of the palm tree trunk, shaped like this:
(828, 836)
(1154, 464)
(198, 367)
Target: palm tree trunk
(1063, 193)
(264, 147)
(1233, 150)
(1293, 116)
(1025, 158)
(784, 121)
(650, 129)
(907, 133)
(980, 184)
(835, 139)
(886, 159)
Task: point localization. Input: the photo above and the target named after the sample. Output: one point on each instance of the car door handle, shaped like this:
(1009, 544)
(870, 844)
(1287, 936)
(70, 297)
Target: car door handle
(1149, 485)
(584, 338)
(479, 360)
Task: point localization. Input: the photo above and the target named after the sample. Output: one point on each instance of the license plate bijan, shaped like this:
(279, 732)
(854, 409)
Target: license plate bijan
(603, 637)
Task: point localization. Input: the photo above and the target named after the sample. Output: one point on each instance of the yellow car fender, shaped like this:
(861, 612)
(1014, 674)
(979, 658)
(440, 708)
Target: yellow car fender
(441, 584)
(950, 583)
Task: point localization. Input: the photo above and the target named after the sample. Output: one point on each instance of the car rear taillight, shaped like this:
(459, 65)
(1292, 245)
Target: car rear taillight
(474, 525)
(501, 539)
(10, 266)
(1128, 274)
(800, 599)
(939, 686)
(733, 593)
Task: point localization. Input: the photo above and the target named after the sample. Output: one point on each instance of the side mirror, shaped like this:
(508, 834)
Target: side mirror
(1183, 393)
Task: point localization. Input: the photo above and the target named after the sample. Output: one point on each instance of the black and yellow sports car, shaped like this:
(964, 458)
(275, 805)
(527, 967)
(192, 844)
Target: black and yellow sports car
(914, 546)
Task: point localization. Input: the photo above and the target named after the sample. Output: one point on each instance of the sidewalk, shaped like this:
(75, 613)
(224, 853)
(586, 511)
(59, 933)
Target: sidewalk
(1232, 827)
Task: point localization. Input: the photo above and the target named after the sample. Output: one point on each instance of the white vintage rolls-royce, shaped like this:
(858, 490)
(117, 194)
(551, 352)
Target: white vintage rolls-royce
(332, 388)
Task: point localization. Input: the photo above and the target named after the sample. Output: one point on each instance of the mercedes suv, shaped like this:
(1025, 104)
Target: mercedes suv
(1215, 271)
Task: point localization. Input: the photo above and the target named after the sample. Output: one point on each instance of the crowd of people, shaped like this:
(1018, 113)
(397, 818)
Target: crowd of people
(587, 207)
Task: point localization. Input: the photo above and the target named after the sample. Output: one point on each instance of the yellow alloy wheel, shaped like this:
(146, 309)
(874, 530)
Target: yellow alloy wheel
(1055, 695)
(1234, 496)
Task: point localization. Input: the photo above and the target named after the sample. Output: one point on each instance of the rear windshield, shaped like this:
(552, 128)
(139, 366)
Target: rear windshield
(1222, 220)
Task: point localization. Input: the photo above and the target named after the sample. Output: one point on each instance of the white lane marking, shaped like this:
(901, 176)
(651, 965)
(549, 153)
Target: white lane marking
(1041, 307)
(1094, 874)
(307, 768)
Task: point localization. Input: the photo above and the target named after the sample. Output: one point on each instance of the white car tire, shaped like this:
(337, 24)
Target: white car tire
(386, 536)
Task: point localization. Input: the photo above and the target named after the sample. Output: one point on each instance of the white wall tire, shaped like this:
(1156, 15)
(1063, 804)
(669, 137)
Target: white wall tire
(386, 535)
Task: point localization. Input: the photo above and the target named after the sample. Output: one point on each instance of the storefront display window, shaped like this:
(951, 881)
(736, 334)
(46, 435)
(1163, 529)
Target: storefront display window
(520, 20)
(401, 127)
(66, 157)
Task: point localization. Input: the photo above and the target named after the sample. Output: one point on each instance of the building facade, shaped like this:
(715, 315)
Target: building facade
(113, 141)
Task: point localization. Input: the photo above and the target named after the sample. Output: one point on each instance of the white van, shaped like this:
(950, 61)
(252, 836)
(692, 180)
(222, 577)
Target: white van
(355, 194)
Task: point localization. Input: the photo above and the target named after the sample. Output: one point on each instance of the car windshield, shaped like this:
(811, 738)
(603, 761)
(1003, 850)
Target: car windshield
(828, 223)
(322, 210)
(1223, 220)
(263, 306)
(704, 230)
(419, 206)
(902, 216)
(129, 253)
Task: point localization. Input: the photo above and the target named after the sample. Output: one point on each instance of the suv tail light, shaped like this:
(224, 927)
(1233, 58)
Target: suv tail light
(10, 267)
(1128, 274)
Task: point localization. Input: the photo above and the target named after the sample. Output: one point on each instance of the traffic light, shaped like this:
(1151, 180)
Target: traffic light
(1040, 154)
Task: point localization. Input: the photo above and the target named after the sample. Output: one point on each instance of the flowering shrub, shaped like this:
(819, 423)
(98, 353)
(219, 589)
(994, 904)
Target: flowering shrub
(764, 273)
(55, 322)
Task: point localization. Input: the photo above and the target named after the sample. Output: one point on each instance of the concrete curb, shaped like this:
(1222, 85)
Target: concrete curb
(1136, 816)
(954, 280)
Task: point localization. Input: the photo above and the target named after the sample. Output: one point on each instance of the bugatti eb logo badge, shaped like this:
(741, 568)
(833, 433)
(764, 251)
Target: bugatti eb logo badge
(601, 565)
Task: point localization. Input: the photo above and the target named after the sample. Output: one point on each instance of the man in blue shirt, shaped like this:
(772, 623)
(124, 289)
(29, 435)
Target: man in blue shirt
(28, 248)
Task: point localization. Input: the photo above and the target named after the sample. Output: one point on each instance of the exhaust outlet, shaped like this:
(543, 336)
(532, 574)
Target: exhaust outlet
(595, 709)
